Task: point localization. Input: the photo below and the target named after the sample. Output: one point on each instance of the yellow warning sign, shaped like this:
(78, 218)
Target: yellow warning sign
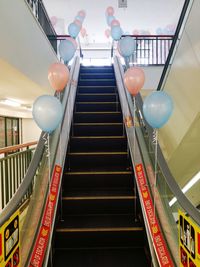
(10, 242)
(189, 242)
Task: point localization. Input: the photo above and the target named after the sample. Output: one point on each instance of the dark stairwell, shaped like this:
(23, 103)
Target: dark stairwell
(96, 219)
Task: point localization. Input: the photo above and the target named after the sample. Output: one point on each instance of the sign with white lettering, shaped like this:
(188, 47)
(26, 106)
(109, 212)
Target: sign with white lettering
(45, 229)
(157, 237)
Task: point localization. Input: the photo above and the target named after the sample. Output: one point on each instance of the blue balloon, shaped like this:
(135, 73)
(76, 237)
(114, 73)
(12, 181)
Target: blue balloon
(67, 50)
(127, 46)
(110, 19)
(116, 32)
(73, 30)
(81, 19)
(47, 112)
(157, 108)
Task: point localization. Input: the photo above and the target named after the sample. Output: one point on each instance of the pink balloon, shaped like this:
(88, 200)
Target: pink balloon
(114, 22)
(82, 13)
(54, 20)
(110, 10)
(134, 80)
(73, 41)
(58, 76)
(107, 33)
(78, 23)
(83, 32)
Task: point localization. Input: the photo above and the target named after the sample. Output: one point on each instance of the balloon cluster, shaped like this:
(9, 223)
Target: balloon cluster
(167, 30)
(67, 47)
(126, 45)
(115, 32)
(47, 110)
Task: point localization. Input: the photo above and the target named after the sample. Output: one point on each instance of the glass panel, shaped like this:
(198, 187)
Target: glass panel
(8, 132)
(15, 127)
(2, 132)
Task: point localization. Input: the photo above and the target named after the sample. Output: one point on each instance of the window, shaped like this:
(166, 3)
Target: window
(9, 131)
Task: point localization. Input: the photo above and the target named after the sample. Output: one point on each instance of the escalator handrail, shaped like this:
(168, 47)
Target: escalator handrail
(13, 204)
(184, 202)
(174, 43)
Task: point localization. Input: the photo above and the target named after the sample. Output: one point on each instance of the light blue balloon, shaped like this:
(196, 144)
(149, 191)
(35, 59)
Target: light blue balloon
(81, 19)
(66, 50)
(127, 46)
(157, 108)
(73, 30)
(116, 32)
(47, 112)
(110, 19)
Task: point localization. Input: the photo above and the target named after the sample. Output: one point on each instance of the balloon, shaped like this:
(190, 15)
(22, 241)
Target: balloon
(81, 19)
(114, 22)
(83, 32)
(67, 50)
(110, 19)
(82, 13)
(73, 41)
(58, 76)
(78, 23)
(47, 112)
(126, 46)
(116, 32)
(110, 10)
(107, 33)
(54, 20)
(157, 108)
(134, 80)
(73, 30)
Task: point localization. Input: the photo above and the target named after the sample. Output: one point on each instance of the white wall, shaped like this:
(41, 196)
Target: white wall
(140, 14)
(30, 131)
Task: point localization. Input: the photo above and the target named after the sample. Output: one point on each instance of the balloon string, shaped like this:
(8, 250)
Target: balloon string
(134, 153)
(155, 142)
(46, 145)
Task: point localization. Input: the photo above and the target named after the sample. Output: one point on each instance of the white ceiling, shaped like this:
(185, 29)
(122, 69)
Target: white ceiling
(140, 14)
(25, 55)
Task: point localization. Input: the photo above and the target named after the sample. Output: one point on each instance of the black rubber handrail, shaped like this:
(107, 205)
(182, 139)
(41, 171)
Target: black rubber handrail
(174, 43)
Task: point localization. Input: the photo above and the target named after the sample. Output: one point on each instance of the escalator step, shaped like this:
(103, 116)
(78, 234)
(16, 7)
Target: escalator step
(98, 179)
(98, 143)
(98, 89)
(98, 129)
(110, 116)
(98, 161)
(101, 257)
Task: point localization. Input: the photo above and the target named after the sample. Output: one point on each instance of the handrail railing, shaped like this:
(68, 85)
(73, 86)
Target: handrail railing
(139, 156)
(174, 43)
(149, 49)
(14, 148)
(13, 168)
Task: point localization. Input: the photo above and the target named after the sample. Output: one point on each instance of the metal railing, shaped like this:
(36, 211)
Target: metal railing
(14, 163)
(40, 13)
(149, 49)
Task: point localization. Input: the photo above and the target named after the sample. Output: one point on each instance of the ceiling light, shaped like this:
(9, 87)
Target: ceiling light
(10, 102)
(193, 181)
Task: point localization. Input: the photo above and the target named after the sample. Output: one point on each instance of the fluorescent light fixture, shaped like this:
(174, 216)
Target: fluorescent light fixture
(10, 102)
(192, 182)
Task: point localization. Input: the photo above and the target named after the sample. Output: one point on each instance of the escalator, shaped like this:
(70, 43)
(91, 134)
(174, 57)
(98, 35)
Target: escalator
(98, 221)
